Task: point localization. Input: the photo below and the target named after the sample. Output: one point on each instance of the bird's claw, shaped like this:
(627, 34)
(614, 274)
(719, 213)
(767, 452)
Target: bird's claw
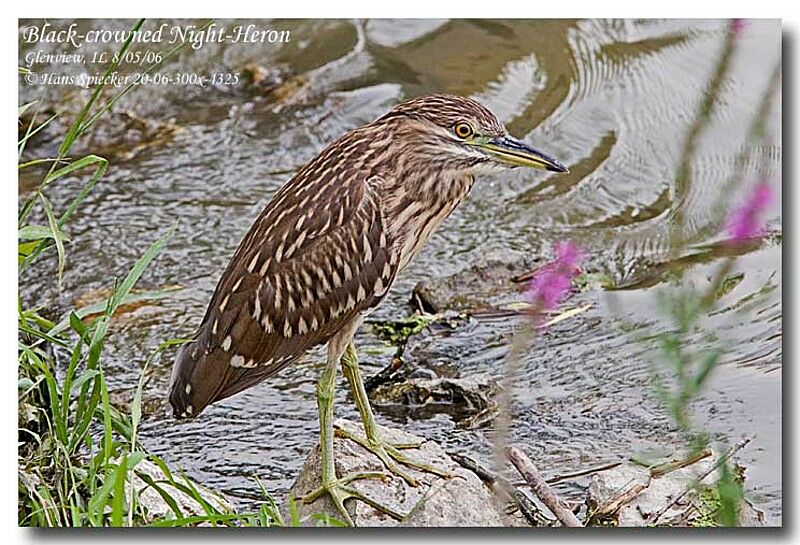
(390, 454)
(339, 492)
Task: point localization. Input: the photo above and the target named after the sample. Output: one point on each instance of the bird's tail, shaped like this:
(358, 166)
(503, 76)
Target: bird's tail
(201, 377)
(195, 381)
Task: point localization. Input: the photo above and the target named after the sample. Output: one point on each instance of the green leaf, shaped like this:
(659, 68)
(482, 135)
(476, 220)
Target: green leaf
(36, 232)
(134, 458)
(100, 165)
(26, 249)
(83, 414)
(77, 325)
(138, 268)
(118, 499)
(24, 108)
(730, 497)
(100, 306)
(83, 162)
(137, 80)
(57, 236)
(706, 366)
(81, 380)
(327, 520)
(99, 500)
(33, 316)
(52, 339)
(161, 492)
(197, 519)
(294, 518)
(35, 162)
(31, 132)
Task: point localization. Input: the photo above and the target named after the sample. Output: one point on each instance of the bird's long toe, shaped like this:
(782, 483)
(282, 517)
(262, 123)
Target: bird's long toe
(392, 456)
(339, 492)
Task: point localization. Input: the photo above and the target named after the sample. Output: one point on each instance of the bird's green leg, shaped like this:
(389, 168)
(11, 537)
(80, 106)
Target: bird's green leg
(332, 485)
(388, 453)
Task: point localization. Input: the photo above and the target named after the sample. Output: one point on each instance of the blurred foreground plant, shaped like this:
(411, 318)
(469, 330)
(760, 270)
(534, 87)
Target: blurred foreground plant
(545, 290)
(688, 355)
(686, 358)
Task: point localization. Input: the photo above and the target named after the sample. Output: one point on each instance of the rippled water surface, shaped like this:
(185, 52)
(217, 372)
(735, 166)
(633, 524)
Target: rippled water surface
(613, 100)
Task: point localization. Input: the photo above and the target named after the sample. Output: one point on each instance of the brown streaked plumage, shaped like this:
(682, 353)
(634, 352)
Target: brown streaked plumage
(329, 245)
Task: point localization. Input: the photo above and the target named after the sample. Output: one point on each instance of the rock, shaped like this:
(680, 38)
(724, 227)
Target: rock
(656, 493)
(485, 284)
(461, 500)
(468, 396)
(155, 504)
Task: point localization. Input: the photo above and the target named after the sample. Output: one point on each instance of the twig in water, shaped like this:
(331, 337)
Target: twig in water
(722, 459)
(530, 510)
(540, 487)
(502, 486)
(567, 314)
(622, 497)
(582, 473)
(667, 467)
(482, 472)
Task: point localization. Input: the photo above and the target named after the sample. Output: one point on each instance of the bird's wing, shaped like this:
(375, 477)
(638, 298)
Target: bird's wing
(312, 261)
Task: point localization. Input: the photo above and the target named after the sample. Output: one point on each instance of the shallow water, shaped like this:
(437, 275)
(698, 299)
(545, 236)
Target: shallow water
(613, 100)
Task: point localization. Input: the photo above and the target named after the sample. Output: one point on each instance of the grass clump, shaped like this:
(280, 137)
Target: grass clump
(80, 461)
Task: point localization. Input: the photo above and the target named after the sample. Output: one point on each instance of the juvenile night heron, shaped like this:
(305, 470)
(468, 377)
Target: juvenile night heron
(327, 248)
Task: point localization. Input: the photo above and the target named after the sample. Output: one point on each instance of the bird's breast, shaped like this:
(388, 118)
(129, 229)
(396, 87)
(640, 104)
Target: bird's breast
(416, 219)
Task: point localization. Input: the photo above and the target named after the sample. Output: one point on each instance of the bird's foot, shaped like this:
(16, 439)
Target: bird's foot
(339, 492)
(390, 454)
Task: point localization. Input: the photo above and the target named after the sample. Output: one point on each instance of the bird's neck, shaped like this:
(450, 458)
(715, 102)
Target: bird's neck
(418, 205)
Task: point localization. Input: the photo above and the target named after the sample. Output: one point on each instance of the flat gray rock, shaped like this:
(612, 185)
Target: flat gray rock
(657, 493)
(158, 508)
(461, 500)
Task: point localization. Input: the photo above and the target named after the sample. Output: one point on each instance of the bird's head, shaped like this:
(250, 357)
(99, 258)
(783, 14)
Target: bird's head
(460, 134)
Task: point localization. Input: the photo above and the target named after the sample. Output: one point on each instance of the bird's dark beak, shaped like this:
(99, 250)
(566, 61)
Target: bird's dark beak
(510, 151)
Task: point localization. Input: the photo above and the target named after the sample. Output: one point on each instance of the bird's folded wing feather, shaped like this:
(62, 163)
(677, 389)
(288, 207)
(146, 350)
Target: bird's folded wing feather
(315, 258)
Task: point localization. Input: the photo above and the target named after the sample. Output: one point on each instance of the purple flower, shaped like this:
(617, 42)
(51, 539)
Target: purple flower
(736, 26)
(744, 224)
(552, 282)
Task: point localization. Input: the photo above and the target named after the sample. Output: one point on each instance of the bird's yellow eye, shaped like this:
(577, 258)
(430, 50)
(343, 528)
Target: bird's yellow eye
(463, 130)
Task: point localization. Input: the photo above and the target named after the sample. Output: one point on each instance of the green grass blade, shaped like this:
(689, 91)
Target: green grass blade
(24, 108)
(99, 500)
(86, 376)
(30, 134)
(198, 519)
(102, 165)
(66, 390)
(83, 162)
(118, 498)
(138, 268)
(83, 413)
(100, 306)
(77, 126)
(161, 492)
(36, 232)
(24, 327)
(294, 517)
(57, 236)
(35, 162)
(107, 428)
(166, 56)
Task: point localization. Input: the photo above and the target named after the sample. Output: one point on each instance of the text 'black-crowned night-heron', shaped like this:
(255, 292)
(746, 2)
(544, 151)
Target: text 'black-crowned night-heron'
(327, 248)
